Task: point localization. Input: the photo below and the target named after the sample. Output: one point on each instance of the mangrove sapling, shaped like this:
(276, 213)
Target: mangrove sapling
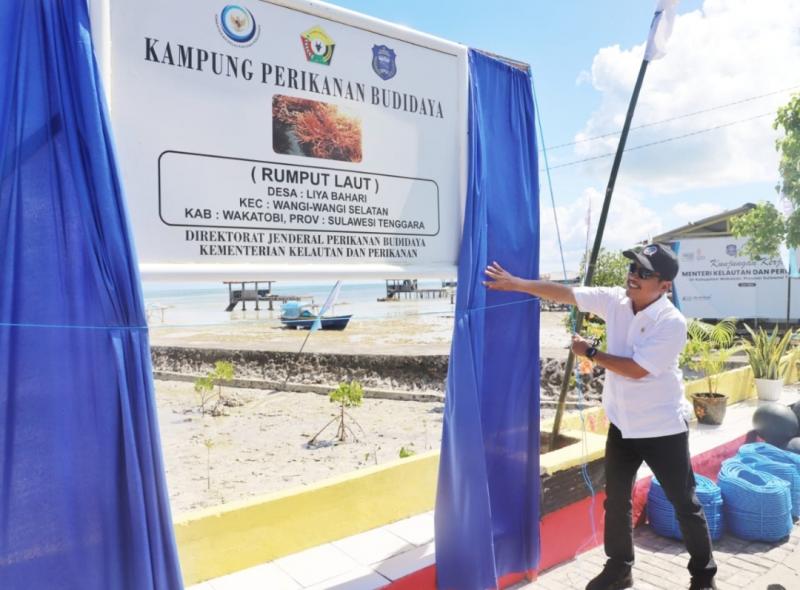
(347, 395)
(209, 444)
(373, 454)
(204, 387)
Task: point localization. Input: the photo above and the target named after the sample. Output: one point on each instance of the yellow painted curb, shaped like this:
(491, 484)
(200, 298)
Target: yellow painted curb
(215, 542)
(593, 420)
(573, 455)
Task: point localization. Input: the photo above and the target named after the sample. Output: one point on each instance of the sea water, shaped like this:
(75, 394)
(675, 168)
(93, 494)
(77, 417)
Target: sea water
(193, 303)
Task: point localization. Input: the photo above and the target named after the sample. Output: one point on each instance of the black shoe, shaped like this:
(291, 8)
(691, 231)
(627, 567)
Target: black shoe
(612, 578)
(698, 584)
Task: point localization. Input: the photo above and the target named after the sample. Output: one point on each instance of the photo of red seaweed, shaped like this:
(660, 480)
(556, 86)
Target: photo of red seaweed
(302, 127)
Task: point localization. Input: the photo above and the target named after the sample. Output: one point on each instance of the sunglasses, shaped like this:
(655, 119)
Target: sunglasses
(640, 272)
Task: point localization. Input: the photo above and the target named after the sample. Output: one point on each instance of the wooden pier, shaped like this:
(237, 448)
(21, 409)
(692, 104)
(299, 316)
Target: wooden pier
(397, 289)
(257, 295)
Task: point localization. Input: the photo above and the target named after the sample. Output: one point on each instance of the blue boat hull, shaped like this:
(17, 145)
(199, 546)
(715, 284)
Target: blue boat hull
(338, 322)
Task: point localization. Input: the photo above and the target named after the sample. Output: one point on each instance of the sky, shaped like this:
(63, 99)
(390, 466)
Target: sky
(585, 55)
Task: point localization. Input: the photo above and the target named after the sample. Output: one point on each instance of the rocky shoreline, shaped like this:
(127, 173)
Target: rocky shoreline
(379, 374)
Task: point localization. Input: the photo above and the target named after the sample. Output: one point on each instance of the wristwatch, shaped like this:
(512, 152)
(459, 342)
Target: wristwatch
(591, 352)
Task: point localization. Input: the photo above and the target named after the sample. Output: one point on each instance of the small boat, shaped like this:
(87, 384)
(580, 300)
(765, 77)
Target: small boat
(300, 316)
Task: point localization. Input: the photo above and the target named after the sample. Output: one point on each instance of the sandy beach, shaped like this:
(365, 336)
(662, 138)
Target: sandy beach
(406, 328)
(262, 445)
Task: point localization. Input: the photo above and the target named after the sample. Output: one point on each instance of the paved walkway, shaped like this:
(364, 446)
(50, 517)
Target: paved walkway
(373, 559)
(661, 565)
(366, 561)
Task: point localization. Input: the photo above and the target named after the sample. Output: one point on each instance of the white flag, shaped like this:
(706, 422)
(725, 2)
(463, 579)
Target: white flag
(660, 29)
(327, 305)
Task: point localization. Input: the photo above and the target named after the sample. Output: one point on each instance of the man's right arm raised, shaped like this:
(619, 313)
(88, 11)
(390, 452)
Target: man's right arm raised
(502, 280)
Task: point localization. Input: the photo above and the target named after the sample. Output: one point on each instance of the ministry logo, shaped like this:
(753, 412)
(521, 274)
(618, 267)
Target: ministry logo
(238, 26)
(318, 46)
(383, 61)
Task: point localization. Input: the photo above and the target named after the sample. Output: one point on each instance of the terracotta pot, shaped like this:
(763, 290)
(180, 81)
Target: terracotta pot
(710, 407)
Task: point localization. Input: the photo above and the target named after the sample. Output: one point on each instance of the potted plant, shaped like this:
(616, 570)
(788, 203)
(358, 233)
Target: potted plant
(707, 350)
(765, 351)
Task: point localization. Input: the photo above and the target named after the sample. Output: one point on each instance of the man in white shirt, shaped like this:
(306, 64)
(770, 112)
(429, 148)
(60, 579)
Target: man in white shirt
(644, 400)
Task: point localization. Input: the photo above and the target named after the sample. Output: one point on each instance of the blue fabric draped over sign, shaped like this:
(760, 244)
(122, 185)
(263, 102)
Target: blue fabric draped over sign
(487, 505)
(83, 502)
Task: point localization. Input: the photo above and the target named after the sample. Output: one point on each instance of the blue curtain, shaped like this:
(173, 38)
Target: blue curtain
(83, 501)
(487, 505)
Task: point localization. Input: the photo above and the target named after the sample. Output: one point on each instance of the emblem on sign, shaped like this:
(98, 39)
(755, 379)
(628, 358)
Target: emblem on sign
(238, 25)
(730, 249)
(383, 61)
(318, 46)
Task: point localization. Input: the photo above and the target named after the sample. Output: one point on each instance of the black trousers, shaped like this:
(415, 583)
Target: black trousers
(668, 458)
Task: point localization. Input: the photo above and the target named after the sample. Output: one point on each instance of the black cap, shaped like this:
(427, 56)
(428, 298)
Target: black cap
(656, 257)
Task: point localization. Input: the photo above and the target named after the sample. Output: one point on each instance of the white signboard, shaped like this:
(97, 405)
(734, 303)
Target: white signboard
(266, 139)
(717, 281)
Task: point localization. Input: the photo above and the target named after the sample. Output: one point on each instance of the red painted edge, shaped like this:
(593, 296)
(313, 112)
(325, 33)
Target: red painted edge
(424, 579)
(511, 579)
(568, 532)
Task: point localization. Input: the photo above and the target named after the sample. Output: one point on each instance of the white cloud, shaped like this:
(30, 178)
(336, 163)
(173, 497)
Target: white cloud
(584, 77)
(732, 49)
(629, 221)
(695, 211)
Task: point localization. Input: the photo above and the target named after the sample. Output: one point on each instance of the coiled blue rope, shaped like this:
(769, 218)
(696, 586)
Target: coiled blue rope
(757, 505)
(662, 517)
(775, 464)
(771, 452)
